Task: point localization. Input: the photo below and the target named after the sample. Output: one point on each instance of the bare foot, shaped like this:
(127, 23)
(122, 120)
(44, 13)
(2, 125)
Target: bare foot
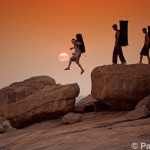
(67, 69)
(140, 63)
(82, 72)
(123, 63)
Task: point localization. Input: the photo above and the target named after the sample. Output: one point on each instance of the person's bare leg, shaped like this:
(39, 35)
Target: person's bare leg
(82, 70)
(141, 57)
(148, 59)
(68, 68)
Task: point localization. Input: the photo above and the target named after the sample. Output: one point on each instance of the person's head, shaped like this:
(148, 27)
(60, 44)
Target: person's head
(73, 41)
(114, 27)
(144, 30)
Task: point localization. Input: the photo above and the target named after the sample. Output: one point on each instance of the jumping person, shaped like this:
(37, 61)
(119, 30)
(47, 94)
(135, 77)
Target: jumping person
(76, 56)
(118, 48)
(145, 49)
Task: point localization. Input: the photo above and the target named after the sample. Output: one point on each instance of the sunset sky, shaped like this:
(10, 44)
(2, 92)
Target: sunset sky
(34, 32)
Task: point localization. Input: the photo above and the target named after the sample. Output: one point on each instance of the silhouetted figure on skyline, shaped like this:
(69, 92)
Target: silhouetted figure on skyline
(149, 34)
(145, 49)
(118, 48)
(76, 56)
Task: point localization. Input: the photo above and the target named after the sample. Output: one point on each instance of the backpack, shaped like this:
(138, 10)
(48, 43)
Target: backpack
(149, 34)
(80, 39)
(124, 33)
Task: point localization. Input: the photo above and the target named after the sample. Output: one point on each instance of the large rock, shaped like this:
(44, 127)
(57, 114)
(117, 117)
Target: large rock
(89, 104)
(20, 90)
(48, 103)
(121, 86)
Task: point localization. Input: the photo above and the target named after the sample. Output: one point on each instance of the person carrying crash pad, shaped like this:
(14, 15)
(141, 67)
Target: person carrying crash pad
(78, 51)
(120, 40)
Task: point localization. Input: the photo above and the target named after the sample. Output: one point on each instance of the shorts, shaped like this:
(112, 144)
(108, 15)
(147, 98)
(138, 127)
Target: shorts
(75, 58)
(145, 51)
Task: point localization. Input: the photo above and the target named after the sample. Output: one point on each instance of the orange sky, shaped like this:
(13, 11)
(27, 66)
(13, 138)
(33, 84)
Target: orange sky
(34, 32)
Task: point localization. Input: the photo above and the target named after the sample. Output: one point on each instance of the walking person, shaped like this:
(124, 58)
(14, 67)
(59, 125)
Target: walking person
(145, 49)
(118, 48)
(76, 56)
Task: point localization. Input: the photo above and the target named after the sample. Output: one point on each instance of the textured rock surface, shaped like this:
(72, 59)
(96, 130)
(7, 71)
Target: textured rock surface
(138, 113)
(141, 110)
(2, 120)
(7, 126)
(2, 129)
(71, 118)
(121, 86)
(96, 131)
(20, 90)
(144, 102)
(48, 103)
(89, 104)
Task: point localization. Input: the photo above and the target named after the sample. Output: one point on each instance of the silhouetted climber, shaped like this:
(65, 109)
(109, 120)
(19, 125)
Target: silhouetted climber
(149, 34)
(145, 49)
(118, 47)
(76, 56)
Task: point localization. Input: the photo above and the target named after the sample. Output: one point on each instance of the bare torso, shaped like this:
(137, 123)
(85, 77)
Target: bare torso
(147, 39)
(77, 50)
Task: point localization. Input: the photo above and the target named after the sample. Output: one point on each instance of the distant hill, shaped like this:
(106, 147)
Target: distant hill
(79, 98)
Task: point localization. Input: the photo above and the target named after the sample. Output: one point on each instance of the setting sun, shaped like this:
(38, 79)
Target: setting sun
(63, 57)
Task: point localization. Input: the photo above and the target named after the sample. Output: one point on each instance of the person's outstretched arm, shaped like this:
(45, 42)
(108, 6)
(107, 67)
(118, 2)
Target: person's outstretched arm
(71, 48)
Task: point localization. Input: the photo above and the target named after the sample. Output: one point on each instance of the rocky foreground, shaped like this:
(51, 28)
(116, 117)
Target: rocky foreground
(38, 114)
(96, 131)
